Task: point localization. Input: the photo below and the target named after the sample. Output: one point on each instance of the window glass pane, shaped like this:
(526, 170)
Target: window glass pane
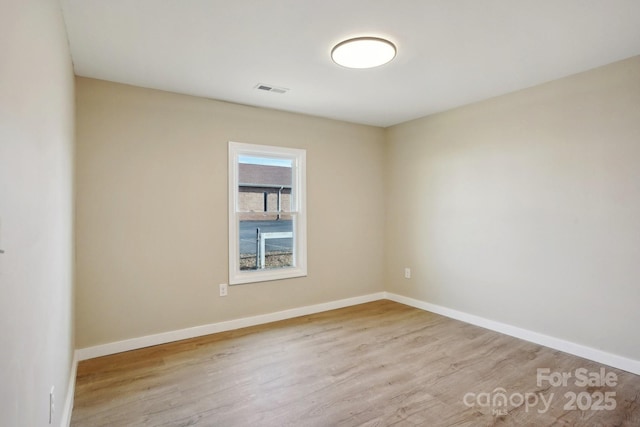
(264, 195)
(264, 185)
(266, 243)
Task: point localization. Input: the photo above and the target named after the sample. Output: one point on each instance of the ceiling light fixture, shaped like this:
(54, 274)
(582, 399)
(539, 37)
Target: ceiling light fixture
(363, 52)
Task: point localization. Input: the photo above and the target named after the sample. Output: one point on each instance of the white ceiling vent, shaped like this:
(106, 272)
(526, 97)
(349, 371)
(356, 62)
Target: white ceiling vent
(271, 88)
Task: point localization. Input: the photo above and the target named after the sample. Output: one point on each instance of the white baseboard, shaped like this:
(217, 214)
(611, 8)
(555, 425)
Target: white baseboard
(590, 353)
(71, 389)
(212, 328)
(580, 350)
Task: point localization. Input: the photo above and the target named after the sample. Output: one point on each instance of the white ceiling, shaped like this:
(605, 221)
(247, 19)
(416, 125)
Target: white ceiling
(450, 52)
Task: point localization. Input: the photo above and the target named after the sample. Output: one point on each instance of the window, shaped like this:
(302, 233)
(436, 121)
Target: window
(267, 213)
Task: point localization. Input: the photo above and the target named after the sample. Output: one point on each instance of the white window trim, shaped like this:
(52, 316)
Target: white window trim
(298, 156)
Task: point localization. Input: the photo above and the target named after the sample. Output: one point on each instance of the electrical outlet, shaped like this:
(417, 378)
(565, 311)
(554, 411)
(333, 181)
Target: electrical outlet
(407, 273)
(52, 403)
(224, 290)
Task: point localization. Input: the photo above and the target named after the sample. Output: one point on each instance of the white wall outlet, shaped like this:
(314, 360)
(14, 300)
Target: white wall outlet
(52, 403)
(224, 289)
(407, 273)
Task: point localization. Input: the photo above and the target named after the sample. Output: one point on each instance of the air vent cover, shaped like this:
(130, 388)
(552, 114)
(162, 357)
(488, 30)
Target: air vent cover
(271, 88)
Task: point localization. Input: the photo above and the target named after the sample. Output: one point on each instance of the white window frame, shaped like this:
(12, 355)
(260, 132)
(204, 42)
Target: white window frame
(298, 210)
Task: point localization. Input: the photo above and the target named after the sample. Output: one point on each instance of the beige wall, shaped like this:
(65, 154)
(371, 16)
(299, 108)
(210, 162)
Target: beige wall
(525, 208)
(152, 233)
(36, 212)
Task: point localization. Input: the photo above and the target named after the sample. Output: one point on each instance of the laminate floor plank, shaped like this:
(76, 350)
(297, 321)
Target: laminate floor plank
(375, 364)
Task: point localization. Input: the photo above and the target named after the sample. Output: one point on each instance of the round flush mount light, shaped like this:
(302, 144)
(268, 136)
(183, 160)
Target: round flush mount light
(363, 52)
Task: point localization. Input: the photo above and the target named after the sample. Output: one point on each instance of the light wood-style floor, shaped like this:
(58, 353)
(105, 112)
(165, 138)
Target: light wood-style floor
(376, 364)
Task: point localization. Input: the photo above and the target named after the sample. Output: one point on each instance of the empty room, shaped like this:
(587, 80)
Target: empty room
(337, 213)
